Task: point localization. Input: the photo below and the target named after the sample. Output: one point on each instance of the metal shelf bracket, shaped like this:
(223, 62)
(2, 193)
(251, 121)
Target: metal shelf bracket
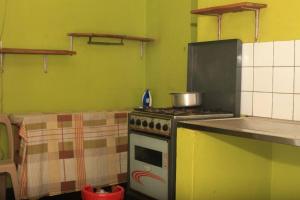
(45, 67)
(257, 26)
(1, 63)
(142, 49)
(257, 14)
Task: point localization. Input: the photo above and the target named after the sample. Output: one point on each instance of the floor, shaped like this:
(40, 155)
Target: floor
(69, 196)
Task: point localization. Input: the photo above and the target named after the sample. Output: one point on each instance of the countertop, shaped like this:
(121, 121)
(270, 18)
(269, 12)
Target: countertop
(272, 130)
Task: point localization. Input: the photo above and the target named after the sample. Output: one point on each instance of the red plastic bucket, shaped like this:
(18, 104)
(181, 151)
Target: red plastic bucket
(88, 194)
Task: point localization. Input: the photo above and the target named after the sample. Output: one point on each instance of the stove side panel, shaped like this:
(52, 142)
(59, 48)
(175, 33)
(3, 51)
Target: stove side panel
(214, 68)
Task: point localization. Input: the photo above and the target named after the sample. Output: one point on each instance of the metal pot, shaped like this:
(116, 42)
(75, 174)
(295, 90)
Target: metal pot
(186, 99)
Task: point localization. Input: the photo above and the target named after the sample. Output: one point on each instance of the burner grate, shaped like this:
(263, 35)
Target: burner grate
(179, 111)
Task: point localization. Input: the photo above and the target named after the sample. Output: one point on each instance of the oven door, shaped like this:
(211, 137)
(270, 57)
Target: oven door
(148, 167)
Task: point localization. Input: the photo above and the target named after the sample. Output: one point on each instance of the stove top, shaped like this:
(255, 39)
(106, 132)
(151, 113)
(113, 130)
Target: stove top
(180, 111)
(159, 120)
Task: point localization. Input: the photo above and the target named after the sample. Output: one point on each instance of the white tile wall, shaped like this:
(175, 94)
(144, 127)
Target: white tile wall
(283, 106)
(271, 80)
(262, 104)
(284, 53)
(297, 80)
(247, 55)
(284, 79)
(246, 103)
(297, 107)
(263, 78)
(297, 53)
(263, 54)
(247, 79)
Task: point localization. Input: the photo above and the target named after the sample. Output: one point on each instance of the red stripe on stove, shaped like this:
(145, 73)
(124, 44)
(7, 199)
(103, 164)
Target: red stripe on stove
(137, 175)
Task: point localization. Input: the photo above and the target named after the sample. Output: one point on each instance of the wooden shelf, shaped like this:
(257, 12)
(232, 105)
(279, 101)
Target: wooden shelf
(44, 52)
(218, 11)
(237, 7)
(35, 51)
(122, 37)
(90, 36)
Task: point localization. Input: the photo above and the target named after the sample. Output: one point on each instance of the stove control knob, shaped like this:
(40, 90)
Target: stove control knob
(145, 123)
(151, 124)
(158, 126)
(165, 127)
(138, 122)
(131, 121)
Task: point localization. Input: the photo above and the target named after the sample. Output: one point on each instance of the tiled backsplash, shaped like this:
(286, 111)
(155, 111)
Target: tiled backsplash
(271, 80)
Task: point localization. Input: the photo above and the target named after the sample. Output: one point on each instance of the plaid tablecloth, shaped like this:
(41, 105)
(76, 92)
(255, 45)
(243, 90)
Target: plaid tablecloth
(62, 152)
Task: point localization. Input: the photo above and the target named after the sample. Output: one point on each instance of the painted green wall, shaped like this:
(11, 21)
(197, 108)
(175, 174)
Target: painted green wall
(285, 180)
(97, 78)
(218, 167)
(166, 67)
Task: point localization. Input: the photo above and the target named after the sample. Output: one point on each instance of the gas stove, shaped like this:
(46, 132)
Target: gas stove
(152, 148)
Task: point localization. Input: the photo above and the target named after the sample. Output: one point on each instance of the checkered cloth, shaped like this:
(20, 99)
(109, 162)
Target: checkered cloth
(62, 152)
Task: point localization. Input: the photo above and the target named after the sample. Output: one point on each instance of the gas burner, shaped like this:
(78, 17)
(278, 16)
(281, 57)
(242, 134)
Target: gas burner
(179, 111)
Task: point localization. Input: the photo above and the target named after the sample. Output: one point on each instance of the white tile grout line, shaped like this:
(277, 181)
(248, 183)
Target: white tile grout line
(272, 106)
(252, 111)
(256, 91)
(257, 67)
(294, 82)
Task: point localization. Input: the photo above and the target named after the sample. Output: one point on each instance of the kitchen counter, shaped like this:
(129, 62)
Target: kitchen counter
(272, 130)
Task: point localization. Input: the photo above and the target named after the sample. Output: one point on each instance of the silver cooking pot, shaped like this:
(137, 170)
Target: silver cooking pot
(186, 99)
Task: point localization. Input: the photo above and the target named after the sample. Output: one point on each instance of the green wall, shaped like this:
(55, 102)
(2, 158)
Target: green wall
(97, 78)
(166, 67)
(285, 172)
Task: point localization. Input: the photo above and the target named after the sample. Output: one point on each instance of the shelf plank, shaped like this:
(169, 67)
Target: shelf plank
(35, 51)
(237, 7)
(124, 37)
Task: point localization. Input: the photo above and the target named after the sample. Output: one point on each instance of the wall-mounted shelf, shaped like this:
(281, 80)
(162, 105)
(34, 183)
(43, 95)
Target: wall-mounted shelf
(110, 36)
(36, 51)
(44, 52)
(124, 37)
(218, 11)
